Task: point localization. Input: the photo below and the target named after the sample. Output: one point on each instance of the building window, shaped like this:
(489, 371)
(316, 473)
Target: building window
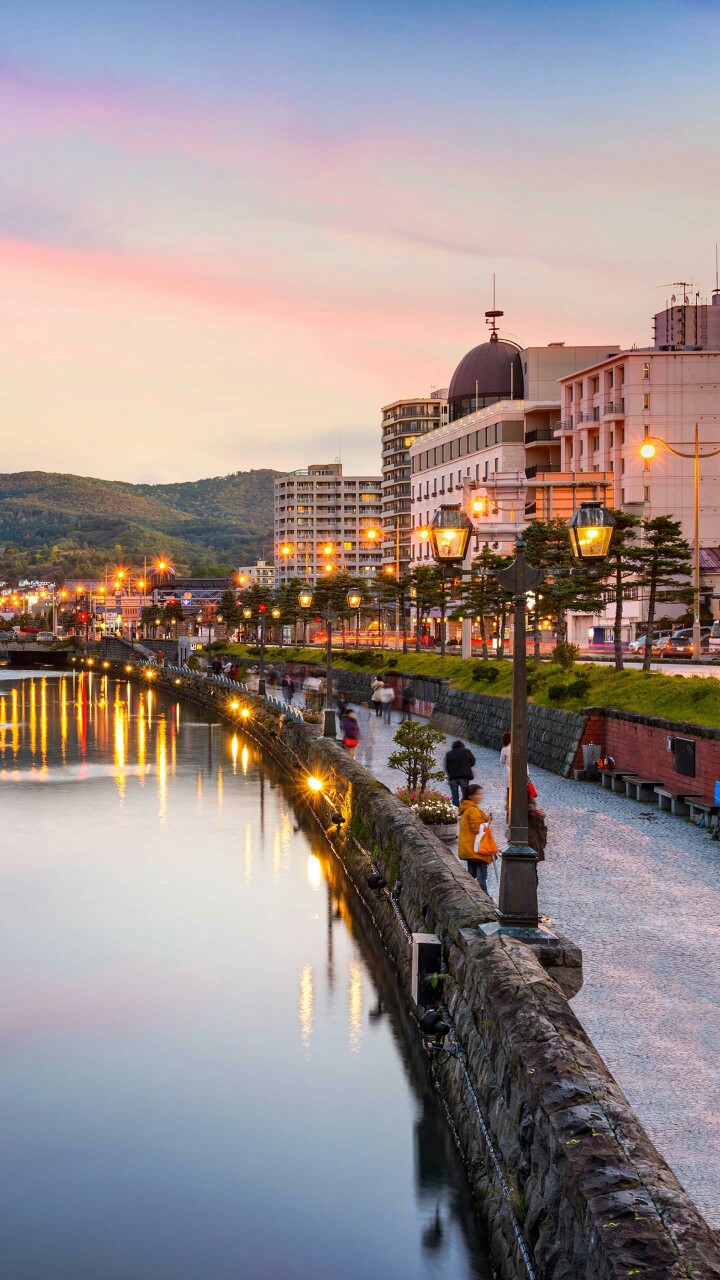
(347, 546)
(646, 401)
(646, 369)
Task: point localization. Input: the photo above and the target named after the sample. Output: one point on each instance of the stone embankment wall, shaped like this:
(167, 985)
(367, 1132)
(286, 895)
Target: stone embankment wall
(645, 744)
(554, 736)
(573, 1168)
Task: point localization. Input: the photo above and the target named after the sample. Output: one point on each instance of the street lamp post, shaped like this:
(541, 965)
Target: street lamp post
(590, 530)
(517, 898)
(354, 599)
(450, 532)
(647, 451)
(305, 599)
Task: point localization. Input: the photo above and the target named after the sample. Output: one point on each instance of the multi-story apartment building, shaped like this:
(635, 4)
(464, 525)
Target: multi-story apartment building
(403, 423)
(327, 521)
(261, 574)
(612, 405)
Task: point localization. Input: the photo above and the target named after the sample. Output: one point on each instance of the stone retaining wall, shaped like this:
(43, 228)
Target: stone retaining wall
(593, 1197)
(554, 736)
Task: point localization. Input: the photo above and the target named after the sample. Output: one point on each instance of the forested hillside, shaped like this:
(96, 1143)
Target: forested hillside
(54, 525)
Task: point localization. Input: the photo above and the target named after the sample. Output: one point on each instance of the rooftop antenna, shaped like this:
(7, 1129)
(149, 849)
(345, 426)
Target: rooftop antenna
(491, 317)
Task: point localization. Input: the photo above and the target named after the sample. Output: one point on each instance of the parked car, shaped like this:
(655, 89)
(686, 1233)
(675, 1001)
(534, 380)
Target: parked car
(659, 639)
(45, 637)
(715, 638)
(680, 645)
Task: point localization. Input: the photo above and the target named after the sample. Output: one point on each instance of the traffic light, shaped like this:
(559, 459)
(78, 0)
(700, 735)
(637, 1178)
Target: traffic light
(82, 617)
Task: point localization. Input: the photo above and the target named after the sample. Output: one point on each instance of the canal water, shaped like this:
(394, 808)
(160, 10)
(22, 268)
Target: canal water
(207, 1072)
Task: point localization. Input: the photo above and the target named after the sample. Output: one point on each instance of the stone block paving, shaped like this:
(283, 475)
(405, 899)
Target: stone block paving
(639, 891)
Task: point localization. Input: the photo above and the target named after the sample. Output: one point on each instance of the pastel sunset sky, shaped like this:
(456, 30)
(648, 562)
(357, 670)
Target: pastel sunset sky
(229, 231)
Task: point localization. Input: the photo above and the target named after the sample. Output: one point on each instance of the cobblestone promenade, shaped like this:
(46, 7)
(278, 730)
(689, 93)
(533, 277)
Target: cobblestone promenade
(639, 891)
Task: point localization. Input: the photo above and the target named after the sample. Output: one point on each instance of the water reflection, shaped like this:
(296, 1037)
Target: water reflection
(208, 1070)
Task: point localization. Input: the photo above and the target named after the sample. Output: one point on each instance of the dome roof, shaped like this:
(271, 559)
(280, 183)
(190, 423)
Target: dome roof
(489, 366)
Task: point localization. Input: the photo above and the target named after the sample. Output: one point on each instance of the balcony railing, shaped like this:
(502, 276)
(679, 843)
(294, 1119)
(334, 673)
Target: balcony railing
(566, 424)
(614, 408)
(542, 469)
(540, 433)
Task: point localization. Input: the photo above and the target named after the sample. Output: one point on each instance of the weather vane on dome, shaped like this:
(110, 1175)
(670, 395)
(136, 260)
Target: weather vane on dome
(491, 317)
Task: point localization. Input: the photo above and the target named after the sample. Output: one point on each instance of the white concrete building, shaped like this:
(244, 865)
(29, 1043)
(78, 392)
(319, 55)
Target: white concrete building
(611, 407)
(505, 450)
(325, 521)
(261, 573)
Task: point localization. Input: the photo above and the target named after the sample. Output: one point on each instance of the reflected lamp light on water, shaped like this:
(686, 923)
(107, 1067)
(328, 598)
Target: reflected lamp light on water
(591, 530)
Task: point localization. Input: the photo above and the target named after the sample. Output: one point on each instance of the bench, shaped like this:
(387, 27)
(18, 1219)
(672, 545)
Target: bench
(699, 809)
(642, 789)
(675, 802)
(614, 779)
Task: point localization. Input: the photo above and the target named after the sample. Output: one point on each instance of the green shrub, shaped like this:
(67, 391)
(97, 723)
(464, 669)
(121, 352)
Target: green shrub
(556, 690)
(485, 671)
(391, 662)
(566, 655)
(578, 686)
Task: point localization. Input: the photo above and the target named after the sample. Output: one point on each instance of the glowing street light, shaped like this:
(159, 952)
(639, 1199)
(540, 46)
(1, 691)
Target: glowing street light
(591, 530)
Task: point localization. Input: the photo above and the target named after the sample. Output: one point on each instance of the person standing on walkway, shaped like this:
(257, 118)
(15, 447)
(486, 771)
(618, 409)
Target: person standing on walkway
(472, 817)
(375, 689)
(459, 763)
(366, 745)
(288, 688)
(350, 732)
(387, 697)
(505, 762)
(407, 694)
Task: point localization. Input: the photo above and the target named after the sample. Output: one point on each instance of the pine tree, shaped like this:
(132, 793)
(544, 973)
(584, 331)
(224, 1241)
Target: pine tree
(483, 595)
(567, 584)
(228, 609)
(620, 570)
(426, 580)
(665, 561)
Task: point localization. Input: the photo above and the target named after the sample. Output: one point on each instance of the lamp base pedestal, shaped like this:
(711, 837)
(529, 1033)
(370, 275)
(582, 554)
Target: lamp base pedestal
(261, 687)
(517, 899)
(521, 933)
(329, 729)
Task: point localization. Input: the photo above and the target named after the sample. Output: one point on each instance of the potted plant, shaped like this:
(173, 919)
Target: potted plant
(433, 808)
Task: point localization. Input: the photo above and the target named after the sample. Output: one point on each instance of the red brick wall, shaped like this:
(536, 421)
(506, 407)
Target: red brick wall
(642, 748)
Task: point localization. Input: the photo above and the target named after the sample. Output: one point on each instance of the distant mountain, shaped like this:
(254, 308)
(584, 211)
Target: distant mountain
(54, 525)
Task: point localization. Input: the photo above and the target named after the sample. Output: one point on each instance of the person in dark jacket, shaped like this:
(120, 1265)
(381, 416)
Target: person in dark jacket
(459, 768)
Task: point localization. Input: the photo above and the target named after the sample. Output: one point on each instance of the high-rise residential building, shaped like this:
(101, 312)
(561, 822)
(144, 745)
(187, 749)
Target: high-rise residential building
(326, 521)
(403, 423)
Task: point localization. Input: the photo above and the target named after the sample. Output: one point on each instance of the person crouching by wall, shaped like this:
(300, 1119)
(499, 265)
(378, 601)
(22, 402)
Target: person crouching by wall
(472, 817)
(350, 732)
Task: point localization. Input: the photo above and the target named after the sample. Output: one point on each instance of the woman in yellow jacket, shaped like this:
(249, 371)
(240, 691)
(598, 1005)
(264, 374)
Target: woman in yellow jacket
(472, 817)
